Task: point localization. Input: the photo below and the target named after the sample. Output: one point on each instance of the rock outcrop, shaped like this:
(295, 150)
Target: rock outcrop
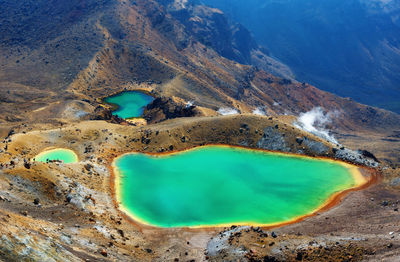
(272, 139)
(166, 108)
(102, 113)
(356, 157)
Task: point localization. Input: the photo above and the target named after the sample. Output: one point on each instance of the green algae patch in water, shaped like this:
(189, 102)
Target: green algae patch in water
(221, 186)
(66, 156)
(129, 104)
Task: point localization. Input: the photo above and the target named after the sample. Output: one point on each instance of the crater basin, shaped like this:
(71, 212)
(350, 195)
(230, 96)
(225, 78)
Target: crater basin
(129, 104)
(221, 186)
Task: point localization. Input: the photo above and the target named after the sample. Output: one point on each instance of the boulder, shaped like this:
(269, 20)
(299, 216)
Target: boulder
(103, 252)
(299, 140)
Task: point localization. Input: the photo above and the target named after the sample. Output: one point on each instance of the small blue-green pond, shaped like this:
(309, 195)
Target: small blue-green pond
(129, 104)
(66, 156)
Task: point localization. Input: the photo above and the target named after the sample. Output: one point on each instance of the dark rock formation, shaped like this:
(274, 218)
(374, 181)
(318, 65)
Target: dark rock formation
(10, 133)
(273, 140)
(101, 113)
(165, 108)
(368, 154)
(316, 147)
(355, 157)
(27, 165)
(299, 140)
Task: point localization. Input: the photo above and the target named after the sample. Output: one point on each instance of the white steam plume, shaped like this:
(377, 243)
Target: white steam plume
(315, 121)
(189, 103)
(259, 111)
(225, 111)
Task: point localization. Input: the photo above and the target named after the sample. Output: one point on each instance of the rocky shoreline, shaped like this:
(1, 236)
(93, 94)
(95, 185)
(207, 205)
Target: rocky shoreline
(74, 205)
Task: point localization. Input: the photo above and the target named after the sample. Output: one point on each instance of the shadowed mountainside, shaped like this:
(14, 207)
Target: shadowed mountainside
(231, 40)
(350, 48)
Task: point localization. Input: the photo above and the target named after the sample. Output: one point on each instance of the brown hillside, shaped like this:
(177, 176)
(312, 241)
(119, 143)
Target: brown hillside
(93, 50)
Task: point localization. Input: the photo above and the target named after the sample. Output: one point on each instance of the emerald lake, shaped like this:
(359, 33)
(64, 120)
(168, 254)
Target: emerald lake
(60, 154)
(129, 104)
(220, 185)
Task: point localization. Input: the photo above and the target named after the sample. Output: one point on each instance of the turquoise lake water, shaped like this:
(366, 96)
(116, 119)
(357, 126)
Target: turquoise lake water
(218, 185)
(130, 103)
(66, 155)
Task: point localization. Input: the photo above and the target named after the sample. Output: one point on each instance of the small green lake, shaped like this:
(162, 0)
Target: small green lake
(60, 154)
(219, 185)
(129, 104)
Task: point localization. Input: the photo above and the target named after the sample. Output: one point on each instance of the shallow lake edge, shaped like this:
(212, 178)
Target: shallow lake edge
(361, 179)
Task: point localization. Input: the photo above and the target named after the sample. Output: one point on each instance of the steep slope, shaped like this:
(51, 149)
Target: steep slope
(43, 46)
(211, 27)
(119, 44)
(350, 48)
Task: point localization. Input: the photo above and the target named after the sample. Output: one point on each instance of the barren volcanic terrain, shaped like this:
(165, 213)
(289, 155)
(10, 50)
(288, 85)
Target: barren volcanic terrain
(59, 60)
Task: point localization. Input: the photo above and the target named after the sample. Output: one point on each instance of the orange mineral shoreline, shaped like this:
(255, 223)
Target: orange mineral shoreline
(362, 181)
